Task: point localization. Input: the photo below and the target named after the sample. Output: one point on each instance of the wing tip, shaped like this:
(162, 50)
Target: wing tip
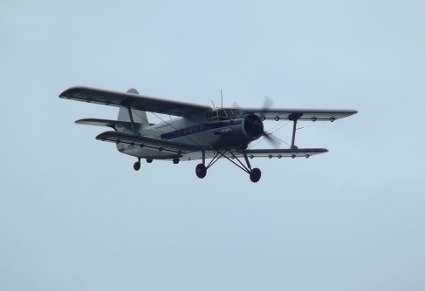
(68, 92)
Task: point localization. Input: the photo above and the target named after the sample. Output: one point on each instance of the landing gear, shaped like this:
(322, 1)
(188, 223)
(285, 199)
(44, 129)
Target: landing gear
(255, 175)
(201, 171)
(136, 165)
(176, 161)
(149, 161)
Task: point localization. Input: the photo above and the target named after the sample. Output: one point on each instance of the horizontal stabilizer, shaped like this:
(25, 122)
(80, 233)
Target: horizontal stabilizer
(284, 153)
(147, 142)
(104, 122)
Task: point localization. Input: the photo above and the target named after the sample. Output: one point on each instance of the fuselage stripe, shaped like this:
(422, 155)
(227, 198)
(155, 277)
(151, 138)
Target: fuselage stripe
(198, 128)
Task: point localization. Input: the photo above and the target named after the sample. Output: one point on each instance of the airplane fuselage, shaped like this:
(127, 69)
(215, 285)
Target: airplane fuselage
(213, 133)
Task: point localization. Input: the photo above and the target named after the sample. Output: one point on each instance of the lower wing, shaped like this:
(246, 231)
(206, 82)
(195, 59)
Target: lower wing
(283, 153)
(148, 142)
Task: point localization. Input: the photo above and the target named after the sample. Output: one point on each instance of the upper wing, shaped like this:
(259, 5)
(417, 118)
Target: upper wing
(299, 114)
(152, 143)
(283, 153)
(137, 102)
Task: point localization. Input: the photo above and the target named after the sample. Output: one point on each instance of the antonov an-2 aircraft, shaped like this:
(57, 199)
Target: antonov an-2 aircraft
(198, 132)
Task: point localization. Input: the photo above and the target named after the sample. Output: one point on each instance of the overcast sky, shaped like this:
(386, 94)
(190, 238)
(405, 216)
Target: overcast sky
(74, 215)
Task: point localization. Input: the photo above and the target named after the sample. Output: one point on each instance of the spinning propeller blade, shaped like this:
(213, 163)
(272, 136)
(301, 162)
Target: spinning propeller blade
(272, 140)
(268, 103)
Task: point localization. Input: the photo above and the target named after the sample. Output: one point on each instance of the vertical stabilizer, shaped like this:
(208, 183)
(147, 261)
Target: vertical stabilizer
(140, 117)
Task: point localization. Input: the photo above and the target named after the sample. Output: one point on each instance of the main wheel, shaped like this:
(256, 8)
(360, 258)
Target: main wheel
(136, 166)
(201, 171)
(255, 175)
(176, 161)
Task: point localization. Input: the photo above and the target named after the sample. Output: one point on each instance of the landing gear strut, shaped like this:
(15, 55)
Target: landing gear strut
(201, 170)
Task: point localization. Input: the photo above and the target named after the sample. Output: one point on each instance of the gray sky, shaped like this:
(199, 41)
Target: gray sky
(75, 216)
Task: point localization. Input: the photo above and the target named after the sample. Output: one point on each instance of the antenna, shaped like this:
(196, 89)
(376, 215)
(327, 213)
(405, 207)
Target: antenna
(221, 90)
(212, 103)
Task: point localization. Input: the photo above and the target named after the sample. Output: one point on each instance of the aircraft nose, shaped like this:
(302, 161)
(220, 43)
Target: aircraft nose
(254, 126)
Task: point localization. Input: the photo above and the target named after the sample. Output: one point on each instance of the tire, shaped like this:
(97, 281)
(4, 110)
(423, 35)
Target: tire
(255, 175)
(136, 166)
(201, 171)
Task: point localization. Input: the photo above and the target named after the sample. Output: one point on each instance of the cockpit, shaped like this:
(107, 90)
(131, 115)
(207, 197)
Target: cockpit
(223, 114)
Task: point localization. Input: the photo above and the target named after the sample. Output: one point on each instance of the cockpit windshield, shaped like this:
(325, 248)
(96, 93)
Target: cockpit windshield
(223, 113)
(229, 112)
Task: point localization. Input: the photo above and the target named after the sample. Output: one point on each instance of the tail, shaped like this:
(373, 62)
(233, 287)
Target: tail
(140, 117)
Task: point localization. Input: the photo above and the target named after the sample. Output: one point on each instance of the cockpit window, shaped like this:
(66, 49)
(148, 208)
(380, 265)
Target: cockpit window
(229, 112)
(212, 114)
(223, 113)
(237, 112)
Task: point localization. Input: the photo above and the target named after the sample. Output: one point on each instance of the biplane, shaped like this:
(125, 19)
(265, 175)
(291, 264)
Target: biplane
(197, 132)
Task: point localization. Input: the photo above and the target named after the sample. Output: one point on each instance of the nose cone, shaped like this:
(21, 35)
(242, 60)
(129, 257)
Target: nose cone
(253, 126)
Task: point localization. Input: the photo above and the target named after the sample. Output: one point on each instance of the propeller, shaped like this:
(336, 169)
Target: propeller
(267, 103)
(276, 143)
(270, 138)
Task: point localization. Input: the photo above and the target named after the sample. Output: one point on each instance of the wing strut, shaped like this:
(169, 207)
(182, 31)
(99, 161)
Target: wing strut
(130, 113)
(294, 117)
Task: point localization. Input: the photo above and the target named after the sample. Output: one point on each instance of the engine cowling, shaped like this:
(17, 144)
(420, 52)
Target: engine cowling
(240, 133)
(253, 126)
